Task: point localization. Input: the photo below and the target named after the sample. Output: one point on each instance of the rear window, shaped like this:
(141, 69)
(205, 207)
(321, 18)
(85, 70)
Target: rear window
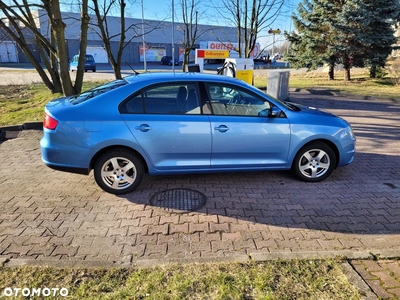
(89, 94)
(89, 58)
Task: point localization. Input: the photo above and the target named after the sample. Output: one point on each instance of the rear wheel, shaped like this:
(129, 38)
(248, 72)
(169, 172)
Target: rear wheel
(118, 171)
(314, 162)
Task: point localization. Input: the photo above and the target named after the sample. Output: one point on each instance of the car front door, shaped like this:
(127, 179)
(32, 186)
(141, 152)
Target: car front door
(244, 136)
(166, 121)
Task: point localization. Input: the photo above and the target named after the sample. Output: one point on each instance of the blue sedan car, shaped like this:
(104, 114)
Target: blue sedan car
(90, 63)
(170, 123)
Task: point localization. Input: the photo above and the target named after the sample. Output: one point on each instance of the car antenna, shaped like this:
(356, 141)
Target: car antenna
(134, 71)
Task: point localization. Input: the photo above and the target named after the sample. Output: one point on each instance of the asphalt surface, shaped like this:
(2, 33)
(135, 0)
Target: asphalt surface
(56, 218)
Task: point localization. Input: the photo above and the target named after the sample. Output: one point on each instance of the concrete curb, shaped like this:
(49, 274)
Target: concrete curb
(11, 132)
(24, 126)
(256, 257)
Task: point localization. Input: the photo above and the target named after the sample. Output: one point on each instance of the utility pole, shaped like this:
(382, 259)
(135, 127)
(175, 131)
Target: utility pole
(173, 37)
(144, 43)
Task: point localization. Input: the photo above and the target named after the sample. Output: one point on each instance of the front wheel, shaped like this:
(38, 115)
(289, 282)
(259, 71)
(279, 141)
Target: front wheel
(314, 162)
(118, 171)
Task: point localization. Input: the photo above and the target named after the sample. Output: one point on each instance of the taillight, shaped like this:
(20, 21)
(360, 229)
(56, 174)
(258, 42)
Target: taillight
(49, 122)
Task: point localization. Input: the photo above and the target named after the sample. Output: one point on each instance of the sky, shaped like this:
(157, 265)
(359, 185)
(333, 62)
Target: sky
(162, 10)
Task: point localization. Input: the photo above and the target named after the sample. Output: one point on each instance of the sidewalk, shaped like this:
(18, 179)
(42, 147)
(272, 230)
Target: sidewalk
(59, 218)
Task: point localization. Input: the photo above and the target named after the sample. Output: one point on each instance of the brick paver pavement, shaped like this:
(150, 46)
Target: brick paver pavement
(383, 276)
(53, 215)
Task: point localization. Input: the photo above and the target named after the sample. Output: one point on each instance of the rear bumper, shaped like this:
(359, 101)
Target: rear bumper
(68, 169)
(58, 153)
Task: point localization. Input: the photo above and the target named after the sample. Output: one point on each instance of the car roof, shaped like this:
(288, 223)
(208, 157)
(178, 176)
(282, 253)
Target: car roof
(154, 77)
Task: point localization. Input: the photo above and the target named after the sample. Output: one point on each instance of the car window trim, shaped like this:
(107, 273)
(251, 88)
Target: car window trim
(122, 107)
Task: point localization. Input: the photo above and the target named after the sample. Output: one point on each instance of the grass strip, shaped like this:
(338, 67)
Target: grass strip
(294, 279)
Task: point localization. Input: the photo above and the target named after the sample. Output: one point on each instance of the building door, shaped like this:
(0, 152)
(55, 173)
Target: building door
(8, 52)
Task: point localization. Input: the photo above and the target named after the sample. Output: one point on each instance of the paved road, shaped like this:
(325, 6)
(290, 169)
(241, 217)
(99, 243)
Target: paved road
(50, 215)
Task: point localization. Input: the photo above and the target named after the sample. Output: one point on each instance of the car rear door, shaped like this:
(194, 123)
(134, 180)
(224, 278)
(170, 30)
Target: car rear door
(166, 121)
(243, 135)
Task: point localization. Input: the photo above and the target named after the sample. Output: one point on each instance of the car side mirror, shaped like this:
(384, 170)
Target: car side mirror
(274, 112)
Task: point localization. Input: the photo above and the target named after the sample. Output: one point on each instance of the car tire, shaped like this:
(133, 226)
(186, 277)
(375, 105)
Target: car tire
(118, 171)
(314, 162)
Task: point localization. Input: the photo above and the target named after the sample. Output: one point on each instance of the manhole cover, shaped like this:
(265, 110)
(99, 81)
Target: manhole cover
(179, 199)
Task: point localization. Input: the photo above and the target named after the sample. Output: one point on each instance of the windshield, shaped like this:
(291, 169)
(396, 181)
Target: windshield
(89, 94)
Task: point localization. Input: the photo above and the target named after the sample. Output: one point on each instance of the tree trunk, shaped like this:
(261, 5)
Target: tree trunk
(331, 72)
(372, 71)
(186, 58)
(346, 67)
(82, 47)
(58, 31)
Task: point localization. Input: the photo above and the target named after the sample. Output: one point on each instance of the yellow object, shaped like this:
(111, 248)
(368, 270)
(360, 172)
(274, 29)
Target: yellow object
(245, 75)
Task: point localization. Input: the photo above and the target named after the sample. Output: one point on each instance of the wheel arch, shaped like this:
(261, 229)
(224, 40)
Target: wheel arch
(329, 143)
(113, 147)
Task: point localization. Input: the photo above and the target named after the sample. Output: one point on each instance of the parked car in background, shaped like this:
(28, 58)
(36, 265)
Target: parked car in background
(167, 60)
(262, 59)
(90, 63)
(173, 123)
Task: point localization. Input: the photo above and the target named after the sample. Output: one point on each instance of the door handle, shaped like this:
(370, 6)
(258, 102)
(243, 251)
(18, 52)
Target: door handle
(221, 128)
(143, 127)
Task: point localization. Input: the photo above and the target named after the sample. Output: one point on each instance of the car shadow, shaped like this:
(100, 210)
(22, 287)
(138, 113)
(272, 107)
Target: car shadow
(361, 198)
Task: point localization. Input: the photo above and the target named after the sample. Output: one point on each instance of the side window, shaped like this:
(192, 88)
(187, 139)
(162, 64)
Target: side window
(233, 101)
(133, 105)
(164, 99)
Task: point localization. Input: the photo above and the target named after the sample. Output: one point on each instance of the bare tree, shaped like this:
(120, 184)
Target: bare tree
(102, 11)
(52, 49)
(107, 34)
(250, 17)
(190, 28)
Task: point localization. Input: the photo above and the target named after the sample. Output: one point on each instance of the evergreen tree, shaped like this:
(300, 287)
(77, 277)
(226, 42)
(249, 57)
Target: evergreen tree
(366, 30)
(356, 32)
(312, 44)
